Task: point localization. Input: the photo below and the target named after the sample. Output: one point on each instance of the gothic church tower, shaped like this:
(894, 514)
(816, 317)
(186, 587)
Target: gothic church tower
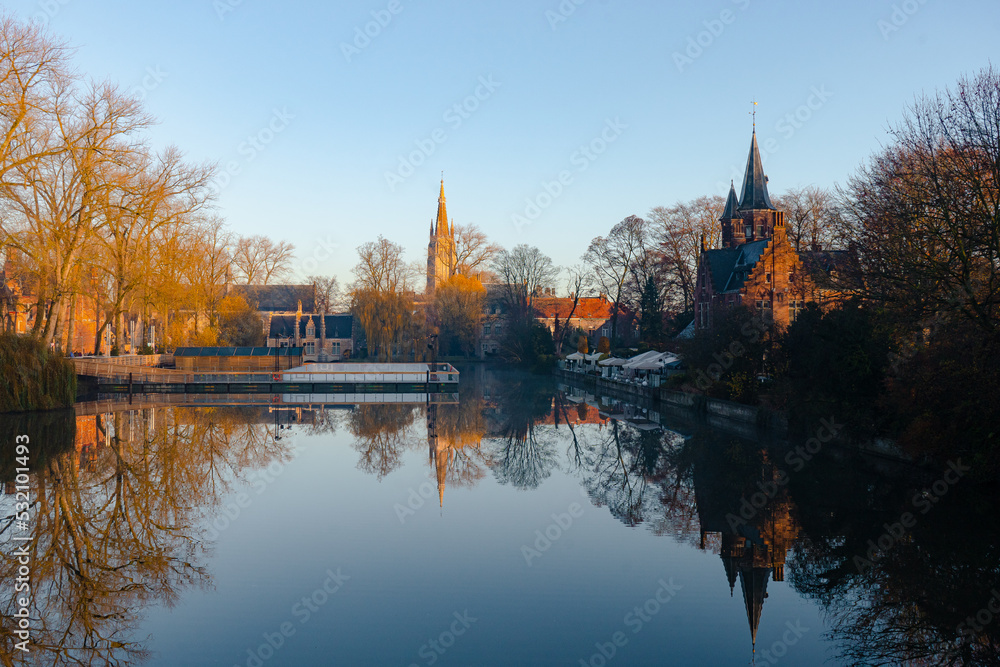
(752, 217)
(441, 249)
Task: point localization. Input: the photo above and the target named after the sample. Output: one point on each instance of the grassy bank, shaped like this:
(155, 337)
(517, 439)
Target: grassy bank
(32, 378)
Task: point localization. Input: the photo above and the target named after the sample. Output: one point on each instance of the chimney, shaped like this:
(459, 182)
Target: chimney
(298, 320)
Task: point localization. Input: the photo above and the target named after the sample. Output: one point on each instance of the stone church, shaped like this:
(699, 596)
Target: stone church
(441, 259)
(757, 265)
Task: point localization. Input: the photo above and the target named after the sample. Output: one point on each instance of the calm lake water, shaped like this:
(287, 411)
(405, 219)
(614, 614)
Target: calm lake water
(519, 523)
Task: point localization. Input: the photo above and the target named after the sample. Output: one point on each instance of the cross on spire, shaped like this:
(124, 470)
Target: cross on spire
(753, 113)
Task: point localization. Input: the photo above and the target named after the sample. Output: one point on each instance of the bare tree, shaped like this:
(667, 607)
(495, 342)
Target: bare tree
(34, 75)
(811, 216)
(523, 271)
(214, 261)
(679, 229)
(327, 293)
(925, 212)
(381, 267)
(473, 250)
(66, 199)
(248, 258)
(278, 261)
(577, 281)
(261, 261)
(611, 258)
(153, 192)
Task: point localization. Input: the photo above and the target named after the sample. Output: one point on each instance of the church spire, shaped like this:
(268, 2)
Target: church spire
(732, 203)
(753, 581)
(755, 196)
(442, 217)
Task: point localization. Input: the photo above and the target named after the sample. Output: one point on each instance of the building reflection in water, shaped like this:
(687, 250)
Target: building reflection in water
(755, 536)
(123, 500)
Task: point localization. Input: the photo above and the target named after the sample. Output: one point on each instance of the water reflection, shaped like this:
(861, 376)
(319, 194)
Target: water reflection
(124, 501)
(118, 521)
(918, 595)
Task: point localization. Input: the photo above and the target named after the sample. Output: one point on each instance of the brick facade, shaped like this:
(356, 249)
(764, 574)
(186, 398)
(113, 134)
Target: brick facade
(757, 265)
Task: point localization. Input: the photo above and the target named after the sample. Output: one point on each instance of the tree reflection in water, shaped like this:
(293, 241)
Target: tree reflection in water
(912, 606)
(913, 601)
(382, 433)
(523, 455)
(454, 433)
(119, 520)
(123, 501)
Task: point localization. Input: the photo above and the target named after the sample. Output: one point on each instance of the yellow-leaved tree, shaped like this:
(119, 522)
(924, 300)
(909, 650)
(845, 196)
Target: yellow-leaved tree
(458, 303)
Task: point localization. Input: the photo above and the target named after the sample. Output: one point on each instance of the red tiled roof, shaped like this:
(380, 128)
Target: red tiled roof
(588, 308)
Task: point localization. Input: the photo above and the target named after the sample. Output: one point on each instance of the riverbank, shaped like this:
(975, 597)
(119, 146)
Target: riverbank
(744, 420)
(33, 377)
(697, 403)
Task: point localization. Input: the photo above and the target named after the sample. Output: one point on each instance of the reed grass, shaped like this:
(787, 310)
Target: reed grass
(32, 377)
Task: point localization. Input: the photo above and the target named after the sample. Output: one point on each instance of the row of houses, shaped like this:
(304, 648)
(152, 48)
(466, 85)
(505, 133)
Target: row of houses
(756, 266)
(592, 316)
(289, 318)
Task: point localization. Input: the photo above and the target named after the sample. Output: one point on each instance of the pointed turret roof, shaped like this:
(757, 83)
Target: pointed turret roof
(442, 217)
(753, 581)
(732, 204)
(754, 182)
(732, 566)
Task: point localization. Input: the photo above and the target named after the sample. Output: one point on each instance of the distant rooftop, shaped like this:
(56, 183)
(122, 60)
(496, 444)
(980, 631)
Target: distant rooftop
(278, 298)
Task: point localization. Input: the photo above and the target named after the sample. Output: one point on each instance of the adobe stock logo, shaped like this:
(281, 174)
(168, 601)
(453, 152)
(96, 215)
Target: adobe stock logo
(562, 13)
(363, 36)
(702, 41)
(454, 117)
(252, 147)
(900, 16)
(581, 160)
(544, 538)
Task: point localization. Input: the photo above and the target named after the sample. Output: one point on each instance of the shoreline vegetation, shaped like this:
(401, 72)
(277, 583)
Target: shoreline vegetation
(34, 377)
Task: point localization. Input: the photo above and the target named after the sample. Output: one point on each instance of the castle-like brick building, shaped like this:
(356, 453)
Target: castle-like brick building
(757, 265)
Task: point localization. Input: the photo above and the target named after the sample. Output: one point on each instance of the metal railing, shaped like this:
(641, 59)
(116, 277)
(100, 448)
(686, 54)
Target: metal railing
(284, 402)
(132, 359)
(121, 373)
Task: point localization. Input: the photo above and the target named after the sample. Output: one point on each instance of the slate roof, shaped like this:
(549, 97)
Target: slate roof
(730, 266)
(732, 204)
(755, 182)
(337, 326)
(820, 263)
(720, 263)
(278, 298)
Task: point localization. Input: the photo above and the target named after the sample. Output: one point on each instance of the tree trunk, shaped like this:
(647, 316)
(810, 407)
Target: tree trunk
(71, 324)
(120, 331)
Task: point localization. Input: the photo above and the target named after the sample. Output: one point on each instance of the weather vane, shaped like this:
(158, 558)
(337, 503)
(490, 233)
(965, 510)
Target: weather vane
(753, 112)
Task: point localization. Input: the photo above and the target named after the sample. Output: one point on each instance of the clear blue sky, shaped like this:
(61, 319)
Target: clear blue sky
(225, 66)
